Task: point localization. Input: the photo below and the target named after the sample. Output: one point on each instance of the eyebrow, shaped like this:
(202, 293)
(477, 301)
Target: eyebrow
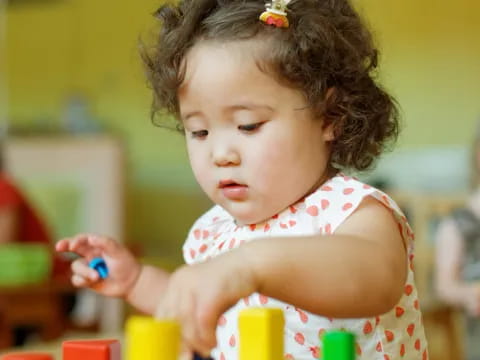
(249, 106)
(233, 108)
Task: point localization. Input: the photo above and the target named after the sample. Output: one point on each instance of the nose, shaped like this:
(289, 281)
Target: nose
(224, 153)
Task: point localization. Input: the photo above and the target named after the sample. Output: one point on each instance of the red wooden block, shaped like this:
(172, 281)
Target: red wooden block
(91, 350)
(27, 356)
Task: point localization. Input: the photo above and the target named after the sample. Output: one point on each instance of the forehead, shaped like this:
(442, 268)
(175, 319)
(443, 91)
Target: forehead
(222, 72)
(209, 61)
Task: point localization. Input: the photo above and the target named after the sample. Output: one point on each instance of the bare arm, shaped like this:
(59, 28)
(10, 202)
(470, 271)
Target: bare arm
(8, 224)
(148, 289)
(360, 271)
(449, 254)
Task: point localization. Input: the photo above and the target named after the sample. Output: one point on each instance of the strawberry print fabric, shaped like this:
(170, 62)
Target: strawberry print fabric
(398, 334)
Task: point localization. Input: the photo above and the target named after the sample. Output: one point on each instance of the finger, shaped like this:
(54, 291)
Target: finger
(107, 245)
(62, 245)
(185, 352)
(190, 326)
(70, 243)
(85, 245)
(208, 312)
(79, 244)
(81, 268)
(163, 312)
(75, 244)
(207, 320)
(80, 281)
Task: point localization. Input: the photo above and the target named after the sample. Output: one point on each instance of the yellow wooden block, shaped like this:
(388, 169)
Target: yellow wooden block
(150, 339)
(261, 334)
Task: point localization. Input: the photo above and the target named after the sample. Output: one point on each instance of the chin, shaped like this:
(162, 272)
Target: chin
(247, 218)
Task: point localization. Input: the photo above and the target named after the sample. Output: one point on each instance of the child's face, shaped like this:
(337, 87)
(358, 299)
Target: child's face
(253, 144)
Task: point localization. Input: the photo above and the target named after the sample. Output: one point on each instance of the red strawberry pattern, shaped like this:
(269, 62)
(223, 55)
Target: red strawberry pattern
(408, 289)
(389, 335)
(302, 315)
(263, 299)
(315, 350)
(367, 328)
(232, 342)
(312, 210)
(395, 335)
(222, 320)
(299, 338)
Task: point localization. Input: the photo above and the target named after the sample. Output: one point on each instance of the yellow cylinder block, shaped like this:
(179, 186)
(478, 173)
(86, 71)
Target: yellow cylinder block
(150, 339)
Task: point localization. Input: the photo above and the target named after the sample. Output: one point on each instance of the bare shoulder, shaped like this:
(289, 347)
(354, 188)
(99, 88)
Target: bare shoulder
(373, 221)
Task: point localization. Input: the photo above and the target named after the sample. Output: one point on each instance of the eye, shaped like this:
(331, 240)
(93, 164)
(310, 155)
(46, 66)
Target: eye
(250, 127)
(200, 134)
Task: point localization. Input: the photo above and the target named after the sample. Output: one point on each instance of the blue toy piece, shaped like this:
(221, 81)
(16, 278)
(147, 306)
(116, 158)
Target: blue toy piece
(100, 266)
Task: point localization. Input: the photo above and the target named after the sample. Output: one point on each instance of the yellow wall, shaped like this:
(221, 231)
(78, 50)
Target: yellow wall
(91, 46)
(431, 63)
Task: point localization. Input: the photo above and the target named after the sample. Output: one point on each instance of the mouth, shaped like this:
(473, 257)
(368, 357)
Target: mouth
(228, 184)
(233, 190)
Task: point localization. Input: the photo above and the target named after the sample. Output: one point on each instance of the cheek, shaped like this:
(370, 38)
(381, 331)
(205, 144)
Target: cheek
(197, 162)
(267, 162)
(286, 161)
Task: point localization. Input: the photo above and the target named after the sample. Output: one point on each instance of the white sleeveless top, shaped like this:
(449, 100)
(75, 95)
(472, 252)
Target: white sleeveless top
(398, 334)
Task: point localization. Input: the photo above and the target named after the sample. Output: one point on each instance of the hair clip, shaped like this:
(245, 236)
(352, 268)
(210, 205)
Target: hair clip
(276, 14)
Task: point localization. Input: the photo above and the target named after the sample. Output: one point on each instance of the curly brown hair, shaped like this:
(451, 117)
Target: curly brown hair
(327, 52)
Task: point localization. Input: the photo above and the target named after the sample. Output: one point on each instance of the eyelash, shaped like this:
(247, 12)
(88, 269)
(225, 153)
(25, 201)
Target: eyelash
(249, 128)
(199, 134)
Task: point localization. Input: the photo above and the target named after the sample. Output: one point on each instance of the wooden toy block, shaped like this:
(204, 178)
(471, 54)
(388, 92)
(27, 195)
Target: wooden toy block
(261, 334)
(338, 345)
(91, 350)
(27, 356)
(150, 339)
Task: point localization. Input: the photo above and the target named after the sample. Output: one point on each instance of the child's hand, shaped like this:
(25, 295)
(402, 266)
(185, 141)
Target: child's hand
(123, 268)
(198, 295)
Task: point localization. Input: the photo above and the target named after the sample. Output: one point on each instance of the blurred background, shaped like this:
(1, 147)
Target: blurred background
(78, 140)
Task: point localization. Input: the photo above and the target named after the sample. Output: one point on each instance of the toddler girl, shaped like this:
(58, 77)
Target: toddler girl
(275, 103)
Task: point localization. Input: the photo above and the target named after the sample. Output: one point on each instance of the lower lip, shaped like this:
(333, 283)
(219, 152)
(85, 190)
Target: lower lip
(235, 192)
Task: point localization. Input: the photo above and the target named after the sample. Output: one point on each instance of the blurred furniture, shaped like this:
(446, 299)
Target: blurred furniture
(93, 166)
(39, 305)
(441, 321)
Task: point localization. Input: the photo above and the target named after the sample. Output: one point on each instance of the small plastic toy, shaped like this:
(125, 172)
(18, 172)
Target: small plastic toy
(150, 339)
(100, 266)
(261, 334)
(261, 338)
(27, 356)
(338, 345)
(91, 350)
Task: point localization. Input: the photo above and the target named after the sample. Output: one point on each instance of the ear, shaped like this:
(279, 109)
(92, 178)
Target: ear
(327, 126)
(328, 131)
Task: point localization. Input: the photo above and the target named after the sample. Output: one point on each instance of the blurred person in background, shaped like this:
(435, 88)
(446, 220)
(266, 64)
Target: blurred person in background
(458, 258)
(20, 223)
